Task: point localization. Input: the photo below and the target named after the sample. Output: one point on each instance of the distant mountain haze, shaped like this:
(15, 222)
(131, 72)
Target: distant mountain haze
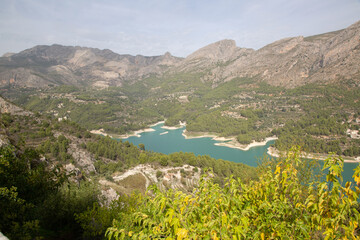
(289, 62)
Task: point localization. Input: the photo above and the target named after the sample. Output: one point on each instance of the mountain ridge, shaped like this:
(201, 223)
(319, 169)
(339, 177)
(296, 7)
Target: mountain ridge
(288, 62)
(57, 65)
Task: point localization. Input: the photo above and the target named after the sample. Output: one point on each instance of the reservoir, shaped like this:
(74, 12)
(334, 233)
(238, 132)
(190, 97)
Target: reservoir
(169, 141)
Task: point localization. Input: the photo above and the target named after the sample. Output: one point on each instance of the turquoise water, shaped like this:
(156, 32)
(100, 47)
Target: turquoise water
(173, 141)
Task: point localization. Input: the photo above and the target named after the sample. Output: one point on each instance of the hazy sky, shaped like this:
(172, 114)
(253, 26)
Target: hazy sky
(152, 27)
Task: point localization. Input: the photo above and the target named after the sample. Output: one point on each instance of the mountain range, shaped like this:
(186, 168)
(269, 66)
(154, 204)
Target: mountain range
(289, 62)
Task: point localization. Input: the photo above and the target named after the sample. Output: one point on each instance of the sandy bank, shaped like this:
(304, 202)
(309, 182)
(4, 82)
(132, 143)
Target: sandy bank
(127, 135)
(191, 135)
(181, 125)
(164, 133)
(171, 128)
(99, 132)
(155, 124)
(272, 151)
(135, 133)
(235, 144)
(230, 142)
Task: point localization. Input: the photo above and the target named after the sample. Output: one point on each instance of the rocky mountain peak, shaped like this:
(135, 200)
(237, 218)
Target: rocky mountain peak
(43, 66)
(218, 51)
(283, 45)
(167, 55)
(8, 54)
(45, 52)
(288, 62)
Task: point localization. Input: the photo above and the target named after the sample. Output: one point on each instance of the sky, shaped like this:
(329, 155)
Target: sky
(153, 27)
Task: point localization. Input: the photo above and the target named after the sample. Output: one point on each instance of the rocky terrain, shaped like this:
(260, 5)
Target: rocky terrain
(83, 164)
(6, 107)
(44, 66)
(289, 62)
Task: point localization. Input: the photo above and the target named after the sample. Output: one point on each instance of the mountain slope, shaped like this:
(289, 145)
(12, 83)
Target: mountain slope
(43, 66)
(289, 62)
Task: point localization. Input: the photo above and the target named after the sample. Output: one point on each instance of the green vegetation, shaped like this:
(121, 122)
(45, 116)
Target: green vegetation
(111, 155)
(44, 201)
(329, 112)
(37, 202)
(313, 116)
(281, 198)
(277, 206)
(56, 148)
(310, 134)
(125, 155)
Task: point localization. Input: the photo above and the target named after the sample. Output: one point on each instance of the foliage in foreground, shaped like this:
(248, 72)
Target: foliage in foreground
(277, 206)
(38, 203)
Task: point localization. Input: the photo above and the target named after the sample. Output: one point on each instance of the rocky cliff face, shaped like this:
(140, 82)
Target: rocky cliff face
(7, 107)
(288, 62)
(44, 66)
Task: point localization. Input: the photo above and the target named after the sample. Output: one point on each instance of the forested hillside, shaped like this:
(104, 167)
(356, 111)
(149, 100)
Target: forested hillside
(220, 89)
(52, 174)
(42, 199)
(316, 117)
(59, 181)
(277, 206)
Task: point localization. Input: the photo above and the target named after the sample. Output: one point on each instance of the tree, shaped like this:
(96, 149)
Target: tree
(24, 185)
(277, 206)
(141, 146)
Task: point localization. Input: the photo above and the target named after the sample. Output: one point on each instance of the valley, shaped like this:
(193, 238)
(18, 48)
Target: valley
(198, 90)
(316, 117)
(74, 121)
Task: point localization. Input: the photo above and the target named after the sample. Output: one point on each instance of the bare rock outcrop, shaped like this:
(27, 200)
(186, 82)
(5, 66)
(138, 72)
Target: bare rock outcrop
(4, 141)
(183, 178)
(289, 62)
(7, 107)
(44, 66)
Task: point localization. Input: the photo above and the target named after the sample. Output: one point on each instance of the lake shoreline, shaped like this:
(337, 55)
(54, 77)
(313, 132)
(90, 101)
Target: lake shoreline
(155, 124)
(272, 151)
(124, 136)
(181, 125)
(229, 142)
(137, 132)
(100, 131)
(235, 144)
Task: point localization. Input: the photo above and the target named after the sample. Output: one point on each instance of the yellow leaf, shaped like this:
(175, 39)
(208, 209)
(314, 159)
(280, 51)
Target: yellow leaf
(262, 236)
(224, 219)
(182, 209)
(131, 233)
(357, 179)
(186, 200)
(181, 233)
(277, 171)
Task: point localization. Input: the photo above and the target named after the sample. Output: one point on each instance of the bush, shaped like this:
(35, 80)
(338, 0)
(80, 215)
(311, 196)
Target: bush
(109, 178)
(159, 174)
(277, 206)
(164, 161)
